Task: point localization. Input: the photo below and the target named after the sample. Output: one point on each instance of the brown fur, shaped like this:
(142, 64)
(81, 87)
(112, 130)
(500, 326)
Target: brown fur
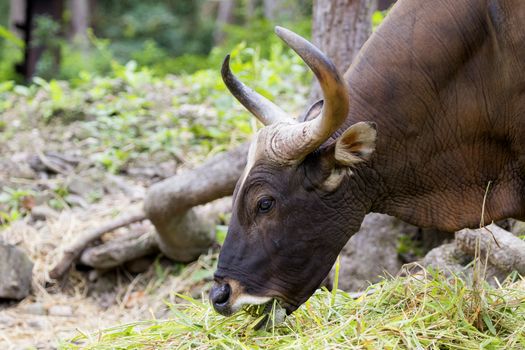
(444, 80)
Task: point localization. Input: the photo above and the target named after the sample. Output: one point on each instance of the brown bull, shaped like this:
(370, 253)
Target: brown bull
(443, 82)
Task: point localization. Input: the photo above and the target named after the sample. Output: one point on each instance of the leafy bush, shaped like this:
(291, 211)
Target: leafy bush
(135, 114)
(11, 52)
(13, 204)
(176, 28)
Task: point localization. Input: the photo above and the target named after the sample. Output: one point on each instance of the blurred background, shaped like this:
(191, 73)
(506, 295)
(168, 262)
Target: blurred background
(60, 38)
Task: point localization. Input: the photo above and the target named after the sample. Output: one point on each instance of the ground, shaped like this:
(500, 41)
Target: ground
(85, 300)
(74, 170)
(76, 154)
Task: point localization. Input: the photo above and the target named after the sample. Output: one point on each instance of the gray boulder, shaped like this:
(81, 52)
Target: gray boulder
(372, 252)
(15, 273)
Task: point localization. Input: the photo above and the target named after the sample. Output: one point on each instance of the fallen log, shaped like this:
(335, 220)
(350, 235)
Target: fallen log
(202, 221)
(116, 252)
(72, 252)
(183, 234)
(502, 249)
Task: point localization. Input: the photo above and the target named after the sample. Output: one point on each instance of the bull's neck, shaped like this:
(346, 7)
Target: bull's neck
(360, 191)
(441, 112)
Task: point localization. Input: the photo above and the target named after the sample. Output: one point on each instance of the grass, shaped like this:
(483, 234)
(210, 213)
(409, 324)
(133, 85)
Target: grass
(426, 311)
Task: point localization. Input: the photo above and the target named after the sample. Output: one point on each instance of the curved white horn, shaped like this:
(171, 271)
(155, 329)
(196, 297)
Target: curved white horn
(262, 108)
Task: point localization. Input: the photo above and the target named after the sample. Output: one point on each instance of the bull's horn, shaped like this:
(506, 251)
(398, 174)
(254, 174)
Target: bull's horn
(294, 142)
(266, 111)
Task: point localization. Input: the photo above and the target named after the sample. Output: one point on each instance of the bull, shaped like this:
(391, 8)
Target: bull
(430, 112)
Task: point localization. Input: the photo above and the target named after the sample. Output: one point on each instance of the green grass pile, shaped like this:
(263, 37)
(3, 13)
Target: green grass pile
(418, 312)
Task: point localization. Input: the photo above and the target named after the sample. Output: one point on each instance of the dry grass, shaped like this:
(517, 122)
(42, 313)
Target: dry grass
(419, 312)
(124, 297)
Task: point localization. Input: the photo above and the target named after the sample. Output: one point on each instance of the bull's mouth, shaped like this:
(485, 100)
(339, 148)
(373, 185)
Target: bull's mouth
(228, 296)
(270, 314)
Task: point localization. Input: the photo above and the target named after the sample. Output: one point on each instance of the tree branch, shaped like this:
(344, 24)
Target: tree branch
(72, 252)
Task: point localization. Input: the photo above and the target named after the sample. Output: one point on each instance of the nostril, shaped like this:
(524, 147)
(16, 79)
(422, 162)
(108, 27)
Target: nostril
(220, 294)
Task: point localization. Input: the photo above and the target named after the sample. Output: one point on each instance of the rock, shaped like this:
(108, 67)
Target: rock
(495, 276)
(52, 163)
(371, 252)
(6, 321)
(517, 228)
(43, 212)
(15, 273)
(34, 309)
(139, 265)
(447, 258)
(36, 324)
(61, 310)
(79, 185)
(503, 250)
(76, 200)
(18, 167)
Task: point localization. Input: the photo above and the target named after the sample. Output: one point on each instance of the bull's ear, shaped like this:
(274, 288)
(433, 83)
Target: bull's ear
(356, 144)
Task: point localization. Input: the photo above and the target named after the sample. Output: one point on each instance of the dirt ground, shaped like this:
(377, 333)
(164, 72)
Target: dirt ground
(85, 196)
(87, 300)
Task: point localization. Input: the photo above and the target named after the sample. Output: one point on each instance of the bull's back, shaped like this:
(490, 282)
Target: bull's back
(445, 82)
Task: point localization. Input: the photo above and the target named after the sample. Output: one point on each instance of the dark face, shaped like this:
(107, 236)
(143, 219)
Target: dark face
(298, 200)
(286, 231)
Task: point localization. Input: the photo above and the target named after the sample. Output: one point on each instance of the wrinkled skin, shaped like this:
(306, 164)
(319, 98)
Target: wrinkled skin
(295, 247)
(444, 82)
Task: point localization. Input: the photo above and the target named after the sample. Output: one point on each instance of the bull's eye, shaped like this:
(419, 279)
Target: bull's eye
(265, 204)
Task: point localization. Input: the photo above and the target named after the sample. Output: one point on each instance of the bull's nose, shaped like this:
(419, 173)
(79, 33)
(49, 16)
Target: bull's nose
(219, 296)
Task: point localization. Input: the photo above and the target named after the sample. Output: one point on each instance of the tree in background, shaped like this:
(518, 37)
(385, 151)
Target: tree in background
(225, 16)
(384, 4)
(24, 17)
(168, 36)
(80, 20)
(340, 28)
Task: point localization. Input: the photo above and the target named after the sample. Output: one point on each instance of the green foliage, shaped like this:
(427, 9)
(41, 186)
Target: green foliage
(259, 34)
(94, 57)
(407, 245)
(4, 13)
(168, 37)
(420, 312)
(378, 17)
(12, 204)
(132, 114)
(11, 52)
(176, 27)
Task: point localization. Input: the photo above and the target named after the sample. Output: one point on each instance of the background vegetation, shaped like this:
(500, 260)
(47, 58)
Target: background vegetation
(140, 91)
(167, 36)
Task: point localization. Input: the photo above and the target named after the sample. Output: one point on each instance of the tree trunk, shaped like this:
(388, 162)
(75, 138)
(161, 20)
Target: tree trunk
(80, 20)
(385, 4)
(251, 6)
(17, 14)
(224, 17)
(270, 9)
(169, 204)
(26, 24)
(340, 28)
(280, 10)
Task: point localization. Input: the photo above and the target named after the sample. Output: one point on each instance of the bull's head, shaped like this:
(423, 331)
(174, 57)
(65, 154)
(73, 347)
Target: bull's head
(293, 209)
